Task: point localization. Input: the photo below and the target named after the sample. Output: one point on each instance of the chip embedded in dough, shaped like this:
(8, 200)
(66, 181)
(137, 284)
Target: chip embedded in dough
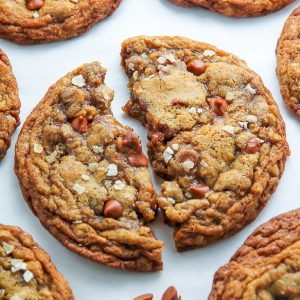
(215, 134)
(85, 175)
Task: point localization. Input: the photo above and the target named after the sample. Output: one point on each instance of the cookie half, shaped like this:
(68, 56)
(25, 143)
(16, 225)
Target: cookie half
(41, 21)
(85, 175)
(215, 134)
(9, 104)
(288, 62)
(26, 270)
(266, 266)
(238, 8)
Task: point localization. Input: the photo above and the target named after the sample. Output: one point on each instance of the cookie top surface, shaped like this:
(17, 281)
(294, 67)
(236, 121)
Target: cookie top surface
(9, 104)
(266, 266)
(85, 175)
(52, 20)
(216, 134)
(26, 271)
(288, 62)
(237, 8)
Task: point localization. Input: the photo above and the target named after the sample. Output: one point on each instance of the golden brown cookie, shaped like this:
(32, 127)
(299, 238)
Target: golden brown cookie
(215, 134)
(40, 21)
(266, 267)
(9, 104)
(26, 271)
(85, 175)
(238, 8)
(288, 62)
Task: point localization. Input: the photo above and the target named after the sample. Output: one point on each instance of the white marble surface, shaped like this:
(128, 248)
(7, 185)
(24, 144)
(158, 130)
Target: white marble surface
(37, 67)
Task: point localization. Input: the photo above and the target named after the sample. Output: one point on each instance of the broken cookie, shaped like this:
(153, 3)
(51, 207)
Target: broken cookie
(215, 134)
(85, 175)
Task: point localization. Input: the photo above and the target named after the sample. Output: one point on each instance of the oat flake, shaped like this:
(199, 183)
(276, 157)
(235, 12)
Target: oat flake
(175, 146)
(228, 128)
(112, 170)
(17, 265)
(209, 52)
(251, 118)
(250, 89)
(97, 149)
(28, 276)
(78, 81)
(37, 148)
(78, 188)
(7, 248)
(119, 185)
(167, 155)
(85, 177)
(188, 165)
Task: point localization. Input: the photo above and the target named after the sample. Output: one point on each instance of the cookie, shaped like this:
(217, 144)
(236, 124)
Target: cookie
(26, 270)
(9, 104)
(85, 176)
(288, 62)
(237, 8)
(266, 266)
(41, 21)
(215, 134)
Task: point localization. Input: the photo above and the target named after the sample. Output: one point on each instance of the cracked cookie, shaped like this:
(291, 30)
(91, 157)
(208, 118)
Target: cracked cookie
(288, 62)
(215, 134)
(238, 8)
(9, 104)
(266, 266)
(40, 21)
(26, 271)
(85, 175)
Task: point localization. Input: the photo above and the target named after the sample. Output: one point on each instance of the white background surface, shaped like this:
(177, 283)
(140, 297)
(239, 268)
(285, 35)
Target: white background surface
(39, 66)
